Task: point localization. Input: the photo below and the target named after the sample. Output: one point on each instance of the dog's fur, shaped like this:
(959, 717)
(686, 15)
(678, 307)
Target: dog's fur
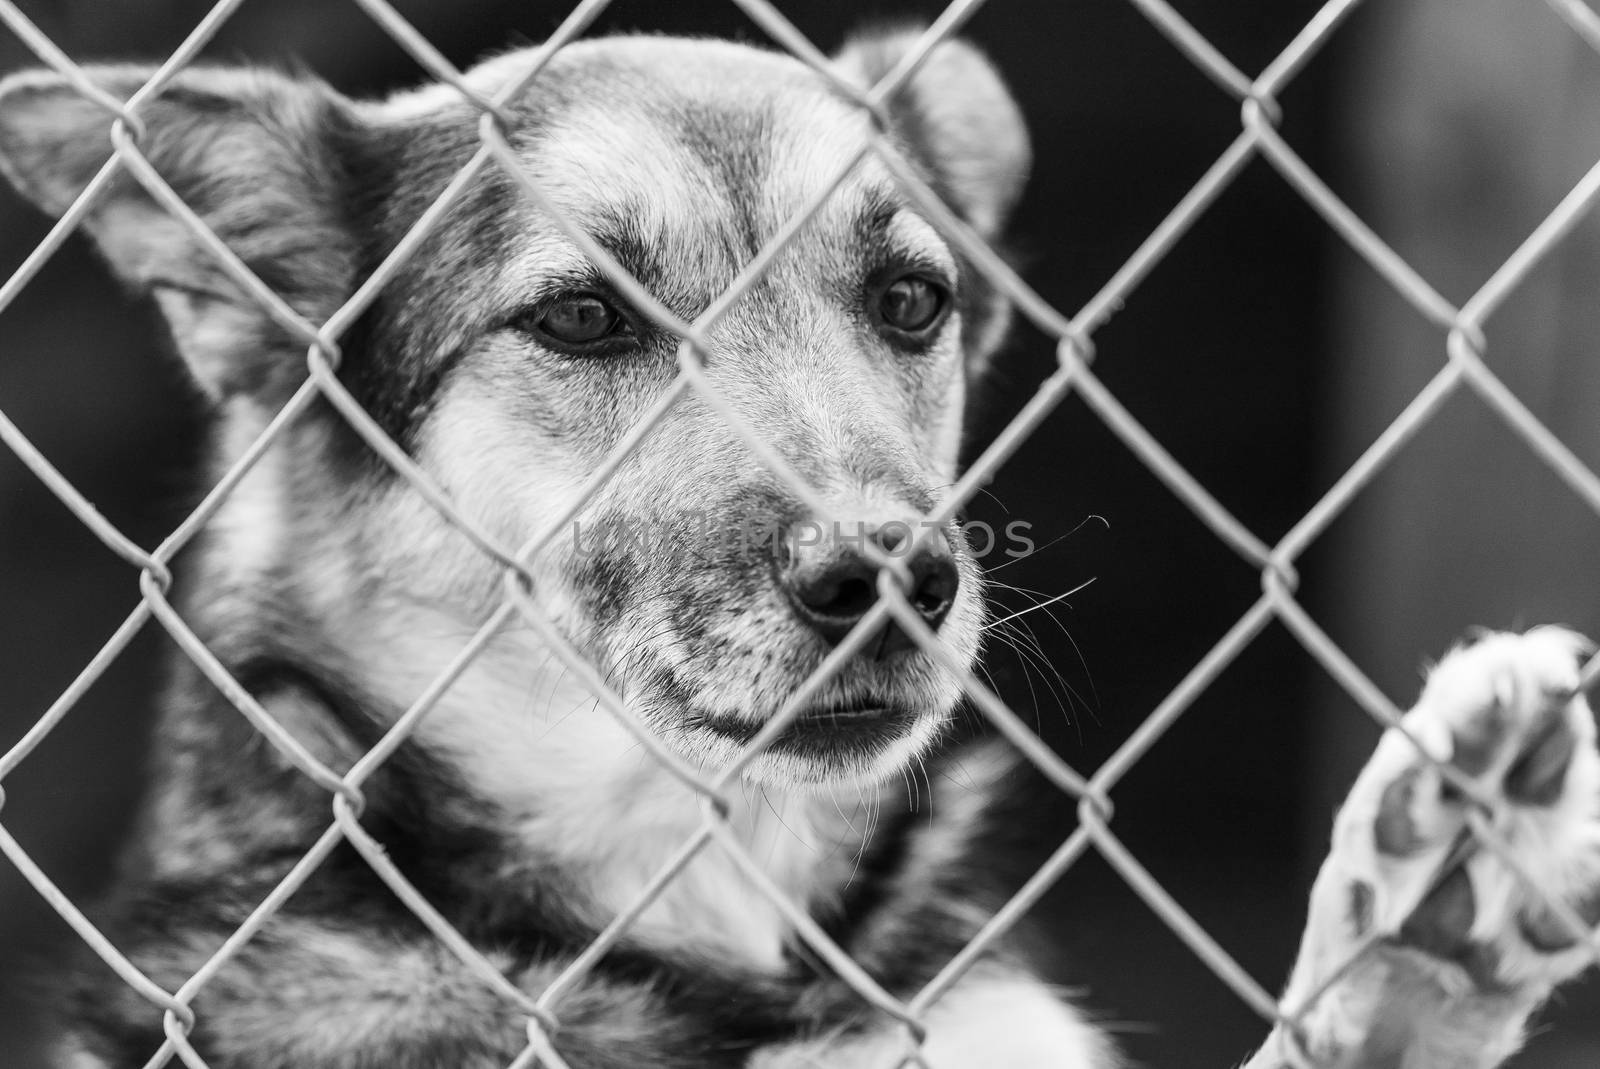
(530, 818)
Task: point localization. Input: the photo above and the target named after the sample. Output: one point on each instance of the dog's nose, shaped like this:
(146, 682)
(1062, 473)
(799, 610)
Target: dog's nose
(831, 583)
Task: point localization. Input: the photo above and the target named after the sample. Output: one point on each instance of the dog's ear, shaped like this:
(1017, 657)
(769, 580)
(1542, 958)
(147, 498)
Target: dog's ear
(255, 154)
(957, 119)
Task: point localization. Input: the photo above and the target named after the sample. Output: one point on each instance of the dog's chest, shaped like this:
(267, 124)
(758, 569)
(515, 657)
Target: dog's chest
(631, 834)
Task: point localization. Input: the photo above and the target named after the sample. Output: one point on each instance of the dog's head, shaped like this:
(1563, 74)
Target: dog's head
(511, 366)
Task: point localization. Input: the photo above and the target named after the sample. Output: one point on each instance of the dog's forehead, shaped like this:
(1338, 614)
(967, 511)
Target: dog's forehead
(669, 131)
(677, 131)
(661, 75)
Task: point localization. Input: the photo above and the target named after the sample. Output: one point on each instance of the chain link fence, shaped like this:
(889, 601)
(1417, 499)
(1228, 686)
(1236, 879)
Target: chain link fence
(1462, 368)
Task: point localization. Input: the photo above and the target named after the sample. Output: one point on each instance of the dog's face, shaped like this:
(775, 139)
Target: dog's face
(703, 585)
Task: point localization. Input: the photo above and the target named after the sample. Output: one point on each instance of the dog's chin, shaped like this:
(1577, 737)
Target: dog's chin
(823, 748)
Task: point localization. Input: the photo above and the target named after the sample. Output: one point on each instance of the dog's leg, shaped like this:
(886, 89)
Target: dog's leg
(1453, 949)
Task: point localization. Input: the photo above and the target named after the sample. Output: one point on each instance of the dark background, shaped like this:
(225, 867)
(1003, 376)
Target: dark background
(1260, 352)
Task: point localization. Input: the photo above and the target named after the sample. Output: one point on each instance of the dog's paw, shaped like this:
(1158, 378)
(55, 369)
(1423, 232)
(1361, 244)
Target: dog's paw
(1453, 946)
(1503, 712)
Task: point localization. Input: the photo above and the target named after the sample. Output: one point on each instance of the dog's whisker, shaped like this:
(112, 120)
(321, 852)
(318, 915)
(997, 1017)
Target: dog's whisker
(1089, 705)
(1040, 605)
(1091, 518)
(1025, 645)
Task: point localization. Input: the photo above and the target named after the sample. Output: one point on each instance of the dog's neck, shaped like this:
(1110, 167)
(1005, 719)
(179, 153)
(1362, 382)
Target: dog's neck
(621, 831)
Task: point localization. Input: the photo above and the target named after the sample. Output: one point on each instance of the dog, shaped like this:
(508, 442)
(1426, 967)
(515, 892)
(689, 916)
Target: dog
(508, 366)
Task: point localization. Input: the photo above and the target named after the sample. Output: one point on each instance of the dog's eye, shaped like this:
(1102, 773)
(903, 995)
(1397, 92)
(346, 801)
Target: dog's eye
(577, 319)
(912, 304)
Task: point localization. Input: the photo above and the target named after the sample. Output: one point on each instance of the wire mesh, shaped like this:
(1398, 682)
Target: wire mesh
(1462, 368)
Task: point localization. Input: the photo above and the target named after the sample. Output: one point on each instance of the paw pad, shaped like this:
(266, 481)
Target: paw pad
(1547, 933)
(1539, 772)
(1441, 927)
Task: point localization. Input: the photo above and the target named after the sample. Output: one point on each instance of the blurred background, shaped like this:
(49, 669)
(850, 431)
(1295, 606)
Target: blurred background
(1262, 352)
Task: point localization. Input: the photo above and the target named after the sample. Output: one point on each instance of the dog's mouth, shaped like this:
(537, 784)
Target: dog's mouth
(833, 733)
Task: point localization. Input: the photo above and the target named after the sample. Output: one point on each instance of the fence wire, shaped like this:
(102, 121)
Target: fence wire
(1462, 367)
